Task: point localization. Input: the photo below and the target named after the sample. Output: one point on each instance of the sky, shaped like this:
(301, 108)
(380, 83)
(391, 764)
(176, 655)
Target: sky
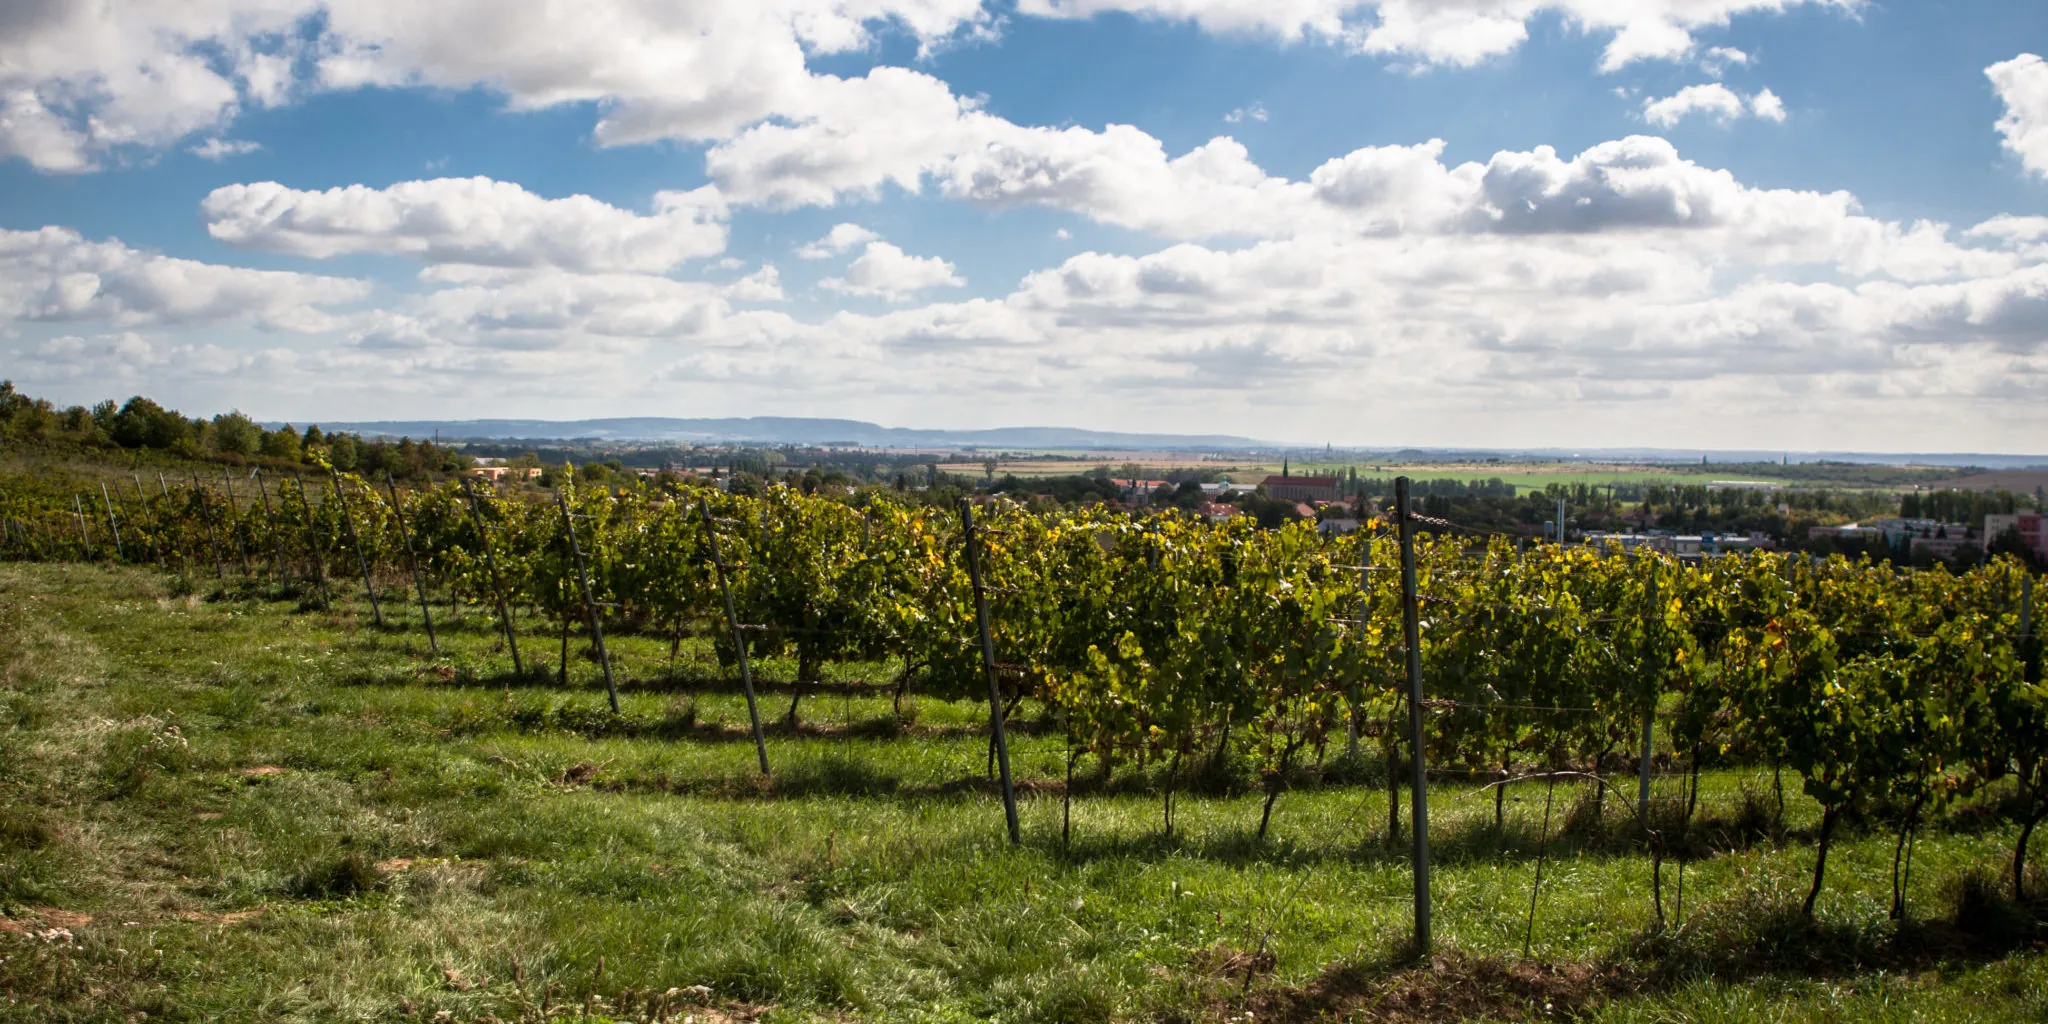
(1774, 224)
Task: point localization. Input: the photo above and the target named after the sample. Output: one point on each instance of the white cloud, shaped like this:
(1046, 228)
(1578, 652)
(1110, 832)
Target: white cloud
(217, 149)
(80, 80)
(117, 363)
(1766, 105)
(1123, 176)
(763, 285)
(1255, 112)
(33, 132)
(1712, 100)
(1718, 59)
(884, 271)
(2022, 84)
(2009, 228)
(469, 220)
(83, 79)
(1448, 32)
(56, 275)
(843, 237)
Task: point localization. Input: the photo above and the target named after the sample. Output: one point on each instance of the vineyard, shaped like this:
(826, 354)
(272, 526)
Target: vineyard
(1156, 655)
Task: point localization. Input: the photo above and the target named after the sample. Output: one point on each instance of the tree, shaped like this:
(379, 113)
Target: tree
(282, 443)
(144, 424)
(236, 434)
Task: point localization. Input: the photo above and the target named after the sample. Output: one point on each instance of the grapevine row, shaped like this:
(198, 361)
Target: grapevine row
(1164, 640)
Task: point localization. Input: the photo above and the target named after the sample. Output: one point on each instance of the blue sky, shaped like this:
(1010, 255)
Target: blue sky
(1722, 245)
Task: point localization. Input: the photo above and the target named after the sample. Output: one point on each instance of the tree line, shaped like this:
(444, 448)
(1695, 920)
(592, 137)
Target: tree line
(142, 425)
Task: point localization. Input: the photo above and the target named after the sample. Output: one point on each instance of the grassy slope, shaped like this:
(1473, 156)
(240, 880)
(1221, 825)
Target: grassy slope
(273, 815)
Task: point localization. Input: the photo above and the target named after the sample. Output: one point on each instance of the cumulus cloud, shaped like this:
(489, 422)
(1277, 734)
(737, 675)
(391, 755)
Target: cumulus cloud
(1718, 59)
(78, 81)
(2022, 84)
(843, 237)
(33, 132)
(763, 285)
(56, 275)
(1766, 105)
(1255, 112)
(884, 271)
(1712, 100)
(469, 220)
(1449, 32)
(1123, 176)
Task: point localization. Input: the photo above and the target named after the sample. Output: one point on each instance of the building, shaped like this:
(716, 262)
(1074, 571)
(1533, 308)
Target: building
(1945, 548)
(2031, 526)
(1627, 542)
(1301, 488)
(1336, 526)
(1850, 532)
(1217, 512)
(497, 473)
(1718, 544)
(1139, 492)
(1901, 532)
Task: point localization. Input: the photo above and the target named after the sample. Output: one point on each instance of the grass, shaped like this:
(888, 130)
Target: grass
(221, 808)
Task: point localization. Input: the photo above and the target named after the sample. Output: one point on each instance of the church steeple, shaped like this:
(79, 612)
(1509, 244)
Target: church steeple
(1283, 466)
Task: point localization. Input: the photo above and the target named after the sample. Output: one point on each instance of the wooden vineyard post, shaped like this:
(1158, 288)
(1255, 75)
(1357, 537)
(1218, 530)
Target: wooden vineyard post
(1649, 711)
(235, 521)
(1364, 616)
(150, 522)
(84, 535)
(412, 560)
(2030, 666)
(497, 584)
(276, 542)
(163, 493)
(1411, 631)
(348, 521)
(739, 641)
(988, 664)
(113, 525)
(611, 688)
(206, 516)
(313, 552)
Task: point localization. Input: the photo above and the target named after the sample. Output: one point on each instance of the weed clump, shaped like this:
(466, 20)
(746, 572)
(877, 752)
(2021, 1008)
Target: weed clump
(140, 751)
(22, 829)
(336, 877)
(1983, 910)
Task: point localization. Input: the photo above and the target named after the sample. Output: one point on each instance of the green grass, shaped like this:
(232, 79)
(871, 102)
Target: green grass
(271, 814)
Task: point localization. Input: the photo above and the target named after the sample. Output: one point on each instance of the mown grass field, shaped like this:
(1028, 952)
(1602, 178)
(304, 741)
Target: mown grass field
(224, 808)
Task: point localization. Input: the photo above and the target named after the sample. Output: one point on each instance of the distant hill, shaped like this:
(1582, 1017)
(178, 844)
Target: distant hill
(858, 433)
(789, 430)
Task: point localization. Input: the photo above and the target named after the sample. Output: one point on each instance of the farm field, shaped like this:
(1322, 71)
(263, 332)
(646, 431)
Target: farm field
(1535, 476)
(217, 805)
